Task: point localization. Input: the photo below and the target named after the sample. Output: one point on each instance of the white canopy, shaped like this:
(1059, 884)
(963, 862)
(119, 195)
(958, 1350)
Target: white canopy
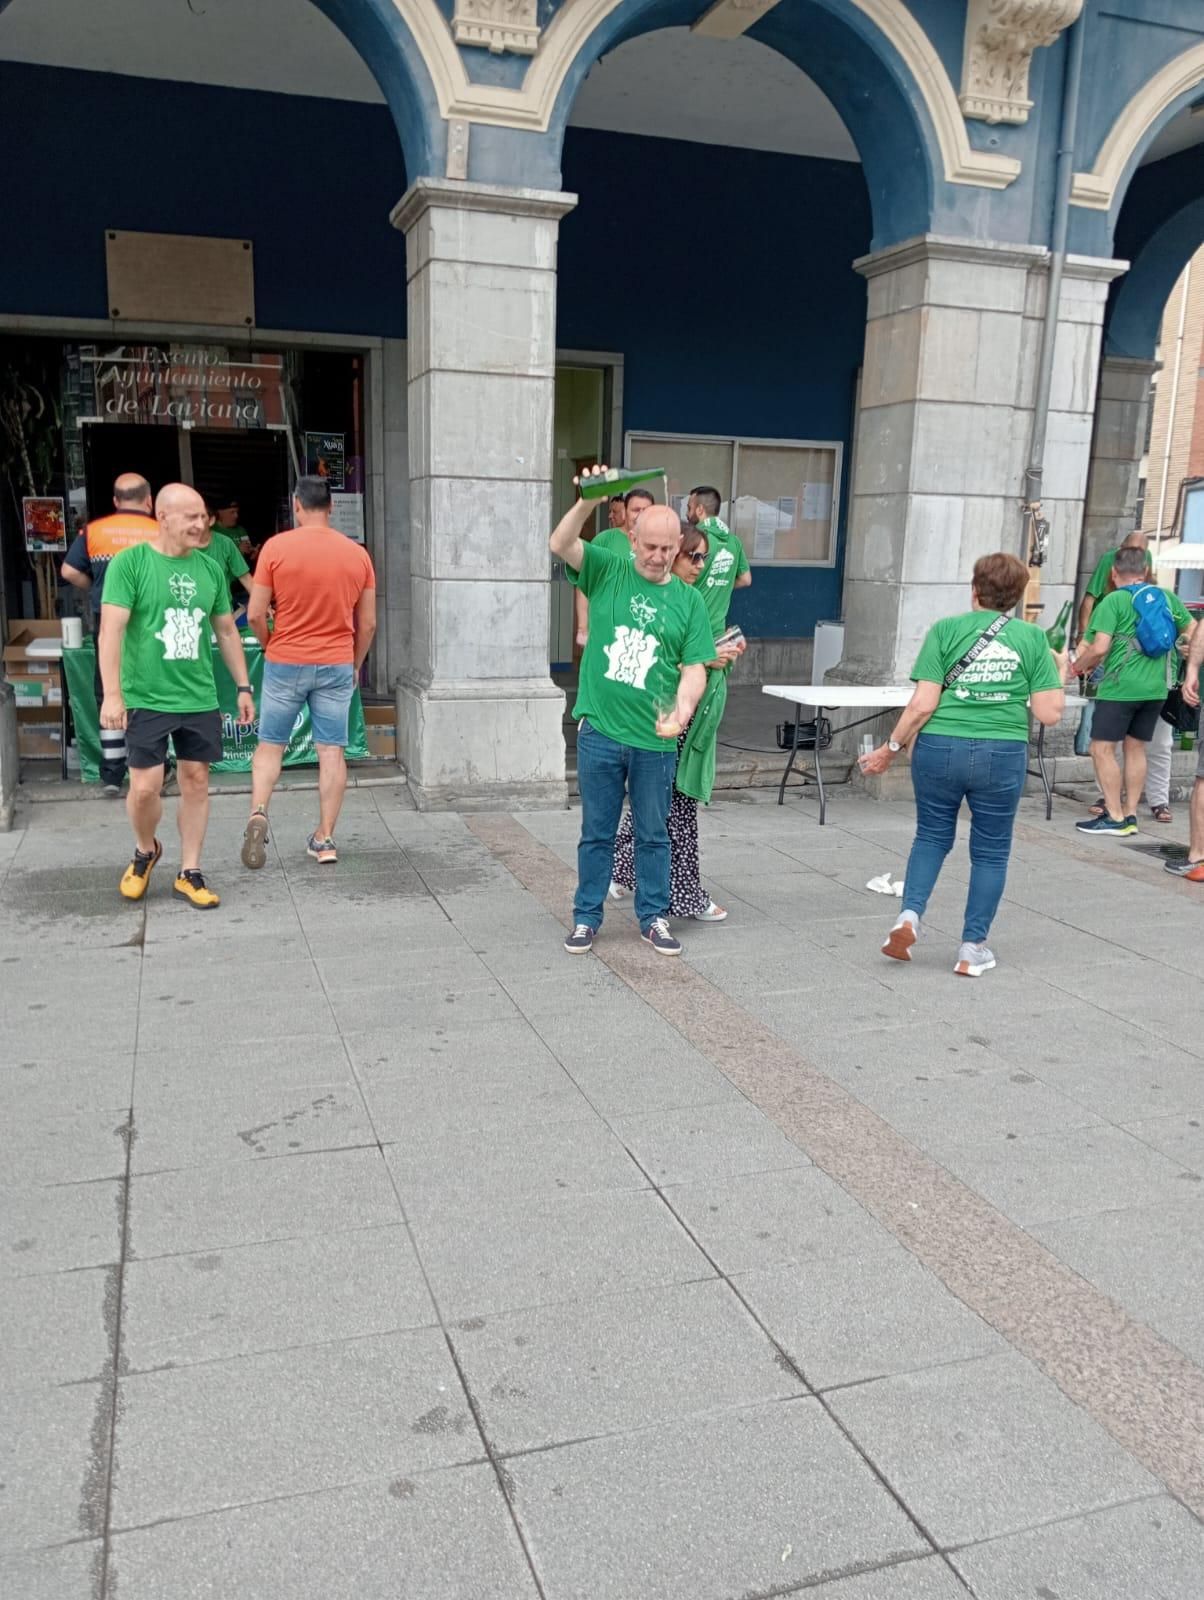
(1174, 553)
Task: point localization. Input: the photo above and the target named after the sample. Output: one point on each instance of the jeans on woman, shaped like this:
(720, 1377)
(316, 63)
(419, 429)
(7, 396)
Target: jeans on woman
(989, 775)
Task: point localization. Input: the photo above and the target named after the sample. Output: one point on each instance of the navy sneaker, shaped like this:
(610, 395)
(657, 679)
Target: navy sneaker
(581, 941)
(1105, 825)
(658, 936)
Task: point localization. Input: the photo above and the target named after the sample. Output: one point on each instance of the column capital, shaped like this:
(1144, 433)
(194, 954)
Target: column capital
(949, 247)
(453, 194)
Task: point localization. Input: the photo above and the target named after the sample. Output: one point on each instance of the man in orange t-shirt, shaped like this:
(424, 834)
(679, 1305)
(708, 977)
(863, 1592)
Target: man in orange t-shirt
(323, 589)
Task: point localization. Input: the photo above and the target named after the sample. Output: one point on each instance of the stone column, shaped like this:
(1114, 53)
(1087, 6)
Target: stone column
(947, 390)
(479, 720)
(1117, 447)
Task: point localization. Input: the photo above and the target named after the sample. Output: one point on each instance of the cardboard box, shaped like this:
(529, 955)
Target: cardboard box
(381, 741)
(18, 661)
(39, 735)
(28, 690)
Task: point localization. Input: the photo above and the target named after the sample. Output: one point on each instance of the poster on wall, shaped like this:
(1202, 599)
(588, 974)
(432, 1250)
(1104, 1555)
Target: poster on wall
(347, 515)
(45, 522)
(326, 457)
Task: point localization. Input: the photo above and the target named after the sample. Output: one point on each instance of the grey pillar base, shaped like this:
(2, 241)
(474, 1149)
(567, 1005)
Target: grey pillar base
(491, 745)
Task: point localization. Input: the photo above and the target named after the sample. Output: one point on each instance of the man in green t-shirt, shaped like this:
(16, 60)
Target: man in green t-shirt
(617, 539)
(161, 599)
(1132, 691)
(642, 675)
(726, 565)
(222, 549)
(1101, 580)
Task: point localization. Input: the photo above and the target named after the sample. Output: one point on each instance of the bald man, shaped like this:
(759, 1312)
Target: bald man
(642, 674)
(84, 567)
(161, 598)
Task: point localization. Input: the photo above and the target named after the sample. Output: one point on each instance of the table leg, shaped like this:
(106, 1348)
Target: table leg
(819, 771)
(1045, 783)
(790, 760)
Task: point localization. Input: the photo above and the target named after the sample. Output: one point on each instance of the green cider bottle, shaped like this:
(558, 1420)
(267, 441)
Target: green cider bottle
(616, 480)
(1057, 633)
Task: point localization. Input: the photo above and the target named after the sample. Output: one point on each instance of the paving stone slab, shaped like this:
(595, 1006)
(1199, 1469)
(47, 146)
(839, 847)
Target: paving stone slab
(58, 1228)
(1153, 1549)
(625, 1081)
(199, 1066)
(772, 1217)
(705, 1142)
(56, 1328)
(203, 1129)
(53, 1478)
(212, 1305)
(1179, 1137)
(67, 1573)
(1048, 1176)
(103, 1084)
(849, 1318)
(224, 1433)
(211, 1012)
(616, 1363)
(987, 1447)
(926, 1579)
(745, 1503)
(514, 1082)
(45, 1146)
(953, 1111)
(1149, 1258)
(433, 1535)
(455, 966)
(499, 1254)
(244, 1202)
(524, 1158)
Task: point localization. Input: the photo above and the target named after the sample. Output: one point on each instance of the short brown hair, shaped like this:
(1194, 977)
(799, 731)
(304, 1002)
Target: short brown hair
(999, 581)
(691, 538)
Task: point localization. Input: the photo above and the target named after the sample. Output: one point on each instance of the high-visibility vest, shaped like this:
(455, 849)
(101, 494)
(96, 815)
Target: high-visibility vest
(109, 536)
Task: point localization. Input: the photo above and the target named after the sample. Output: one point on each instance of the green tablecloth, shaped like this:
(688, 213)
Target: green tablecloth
(79, 668)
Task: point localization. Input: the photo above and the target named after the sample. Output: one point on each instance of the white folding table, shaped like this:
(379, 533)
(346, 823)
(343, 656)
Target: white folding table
(874, 699)
(871, 698)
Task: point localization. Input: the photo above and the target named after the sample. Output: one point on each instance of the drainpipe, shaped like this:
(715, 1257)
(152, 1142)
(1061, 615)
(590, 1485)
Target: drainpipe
(1032, 541)
(1172, 408)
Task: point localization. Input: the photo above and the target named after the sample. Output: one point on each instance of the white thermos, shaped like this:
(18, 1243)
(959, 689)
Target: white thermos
(73, 633)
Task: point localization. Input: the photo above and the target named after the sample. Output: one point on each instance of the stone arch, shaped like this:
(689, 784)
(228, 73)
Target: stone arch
(1168, 92)
(911, 71)
(1141, 297)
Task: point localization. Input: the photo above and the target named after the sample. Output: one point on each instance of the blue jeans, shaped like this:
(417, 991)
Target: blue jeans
(989, 775)
(287, 688)
(605, 770)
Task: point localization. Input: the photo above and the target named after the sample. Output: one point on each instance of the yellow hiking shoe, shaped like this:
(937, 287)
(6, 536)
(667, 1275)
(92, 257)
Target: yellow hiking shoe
(191, 886)
(136, 877)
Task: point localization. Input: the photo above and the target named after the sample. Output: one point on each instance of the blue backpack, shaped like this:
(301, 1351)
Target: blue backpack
(1156, 629)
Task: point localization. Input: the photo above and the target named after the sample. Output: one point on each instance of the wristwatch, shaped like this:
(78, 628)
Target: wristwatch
(893, 746)
(244, 688)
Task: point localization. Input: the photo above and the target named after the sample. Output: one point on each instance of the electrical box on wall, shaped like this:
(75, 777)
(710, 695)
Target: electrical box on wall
(181, 278)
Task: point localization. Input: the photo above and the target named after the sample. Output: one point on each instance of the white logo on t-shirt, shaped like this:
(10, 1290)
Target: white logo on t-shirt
(180, 634)
(643, 610)
(183, 588)
(721, 565)
(631, 656)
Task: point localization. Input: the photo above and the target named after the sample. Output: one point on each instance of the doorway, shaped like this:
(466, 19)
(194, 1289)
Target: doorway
(579, 434)
(111, 448)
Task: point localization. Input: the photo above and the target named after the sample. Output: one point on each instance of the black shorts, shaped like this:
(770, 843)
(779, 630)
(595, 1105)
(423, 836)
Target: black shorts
(196, 735)
(1113, 720)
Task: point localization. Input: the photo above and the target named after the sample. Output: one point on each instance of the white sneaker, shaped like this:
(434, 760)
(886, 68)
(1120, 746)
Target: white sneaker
(617, 891)
(973, 960)
(713, 913)
(901, 937)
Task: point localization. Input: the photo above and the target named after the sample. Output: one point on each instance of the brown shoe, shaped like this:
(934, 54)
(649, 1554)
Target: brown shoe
(254, 841)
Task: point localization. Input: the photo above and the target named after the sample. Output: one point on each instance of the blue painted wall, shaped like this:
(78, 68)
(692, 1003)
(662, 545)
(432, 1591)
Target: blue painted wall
(311, 182)
(733, 301)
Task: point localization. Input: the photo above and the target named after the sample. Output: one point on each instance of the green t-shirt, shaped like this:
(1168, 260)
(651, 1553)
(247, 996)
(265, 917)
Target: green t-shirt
(1101, 578)
(228, 557)
(166, 659)
(1129, 674)
(726, 561)
(614, 540)
(640, 635)
(990, 699)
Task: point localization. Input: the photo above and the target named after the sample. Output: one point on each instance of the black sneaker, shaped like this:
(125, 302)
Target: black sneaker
(1108, 826)
(658, 936)
(581, 941)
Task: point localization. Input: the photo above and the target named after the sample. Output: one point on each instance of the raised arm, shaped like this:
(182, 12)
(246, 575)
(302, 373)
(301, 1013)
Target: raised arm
(566, 543)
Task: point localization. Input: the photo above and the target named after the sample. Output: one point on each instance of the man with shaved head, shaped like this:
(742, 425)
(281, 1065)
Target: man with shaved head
(84, 567)
(642, 674)
(161, 599)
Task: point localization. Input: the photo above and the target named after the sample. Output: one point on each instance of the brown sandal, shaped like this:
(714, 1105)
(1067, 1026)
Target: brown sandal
(1161, 813)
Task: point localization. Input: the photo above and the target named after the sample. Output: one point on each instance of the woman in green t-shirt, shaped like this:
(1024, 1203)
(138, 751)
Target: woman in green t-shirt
(688, 897)
(975, 677)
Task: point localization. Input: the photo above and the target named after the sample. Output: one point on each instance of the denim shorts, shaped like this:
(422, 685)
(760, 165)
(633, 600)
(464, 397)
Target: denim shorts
(287, 688)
